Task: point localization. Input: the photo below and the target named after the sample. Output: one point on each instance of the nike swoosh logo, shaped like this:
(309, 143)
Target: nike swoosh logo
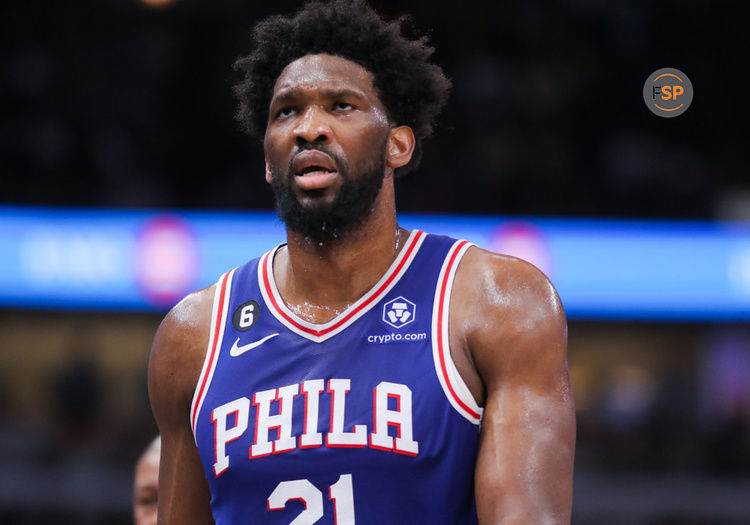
(239, 350)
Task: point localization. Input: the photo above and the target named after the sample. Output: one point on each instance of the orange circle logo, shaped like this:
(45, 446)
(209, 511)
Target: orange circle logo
(668, 92)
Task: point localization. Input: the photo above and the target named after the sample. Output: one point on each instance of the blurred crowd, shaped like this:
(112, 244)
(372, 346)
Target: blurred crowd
(114, 103)
(658, 404)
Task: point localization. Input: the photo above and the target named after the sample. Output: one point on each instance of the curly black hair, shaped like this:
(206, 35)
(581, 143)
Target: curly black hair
(412, 89)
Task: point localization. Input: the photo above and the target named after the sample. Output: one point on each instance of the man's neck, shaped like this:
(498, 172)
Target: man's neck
(320, 279)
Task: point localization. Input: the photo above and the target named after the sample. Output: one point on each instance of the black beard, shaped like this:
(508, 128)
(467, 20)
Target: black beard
(351, 205)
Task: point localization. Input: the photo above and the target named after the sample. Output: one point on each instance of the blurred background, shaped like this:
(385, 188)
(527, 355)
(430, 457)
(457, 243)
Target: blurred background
(125, 183)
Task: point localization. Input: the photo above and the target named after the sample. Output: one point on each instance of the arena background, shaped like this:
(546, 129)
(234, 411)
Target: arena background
(119, 106)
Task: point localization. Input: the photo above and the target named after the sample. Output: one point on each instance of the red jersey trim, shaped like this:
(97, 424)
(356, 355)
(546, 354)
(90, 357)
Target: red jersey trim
(216, 335)
(453, 385)
(321, 332)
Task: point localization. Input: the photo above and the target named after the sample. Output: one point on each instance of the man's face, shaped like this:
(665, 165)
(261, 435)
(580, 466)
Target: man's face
(146, 489)
(325, 145)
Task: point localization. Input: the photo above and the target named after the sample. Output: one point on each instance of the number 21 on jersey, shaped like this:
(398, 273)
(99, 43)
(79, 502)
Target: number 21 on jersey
(341, 493)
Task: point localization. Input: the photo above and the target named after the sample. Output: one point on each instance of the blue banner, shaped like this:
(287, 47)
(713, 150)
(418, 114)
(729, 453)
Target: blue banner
(148, 260)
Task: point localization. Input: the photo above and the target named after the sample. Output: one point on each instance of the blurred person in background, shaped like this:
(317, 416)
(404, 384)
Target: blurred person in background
(146, 485)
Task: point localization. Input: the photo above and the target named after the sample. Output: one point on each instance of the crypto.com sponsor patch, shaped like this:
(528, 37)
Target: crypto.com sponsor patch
(407, 337)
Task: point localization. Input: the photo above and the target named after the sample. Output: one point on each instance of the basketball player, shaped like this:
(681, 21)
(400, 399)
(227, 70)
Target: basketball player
(146, 485)
(359, 372)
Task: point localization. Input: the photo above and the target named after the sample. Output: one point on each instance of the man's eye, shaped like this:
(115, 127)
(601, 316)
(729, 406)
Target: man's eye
(285, 112)
(343, 106)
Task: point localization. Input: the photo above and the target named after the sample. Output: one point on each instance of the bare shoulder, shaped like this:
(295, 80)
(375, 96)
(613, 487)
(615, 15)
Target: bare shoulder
(188, 318)
(507, 283)
(507, 309)
(514, 330)
(177, 356)
(179, 347)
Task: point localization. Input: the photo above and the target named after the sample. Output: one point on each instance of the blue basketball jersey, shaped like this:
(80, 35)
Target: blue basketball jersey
(363, 419)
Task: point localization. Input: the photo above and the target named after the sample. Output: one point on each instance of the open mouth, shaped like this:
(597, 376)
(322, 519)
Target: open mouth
(311, 162)
(314, 170)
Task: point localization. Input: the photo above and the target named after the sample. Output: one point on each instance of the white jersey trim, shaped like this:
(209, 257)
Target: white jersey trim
(215, 339)
(454, 388)
(321, 332)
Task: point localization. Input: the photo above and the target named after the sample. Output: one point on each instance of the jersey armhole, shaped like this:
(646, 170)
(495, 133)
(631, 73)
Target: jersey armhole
(215, 338)
(454, 387)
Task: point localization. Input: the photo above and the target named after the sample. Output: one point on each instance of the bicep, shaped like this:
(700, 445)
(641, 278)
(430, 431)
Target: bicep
(525, 460)
(183, 489)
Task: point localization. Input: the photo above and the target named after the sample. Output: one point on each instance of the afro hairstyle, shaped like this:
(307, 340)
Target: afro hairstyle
(412, 89)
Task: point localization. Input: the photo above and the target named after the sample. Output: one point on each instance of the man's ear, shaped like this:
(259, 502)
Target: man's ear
(269, 176)
(400, 147)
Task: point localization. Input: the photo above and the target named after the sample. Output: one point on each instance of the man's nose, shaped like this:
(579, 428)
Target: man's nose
(313, 127)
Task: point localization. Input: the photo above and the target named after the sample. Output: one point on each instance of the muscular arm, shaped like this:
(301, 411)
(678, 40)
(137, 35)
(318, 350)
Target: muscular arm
(511, 329)
(176, 360)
